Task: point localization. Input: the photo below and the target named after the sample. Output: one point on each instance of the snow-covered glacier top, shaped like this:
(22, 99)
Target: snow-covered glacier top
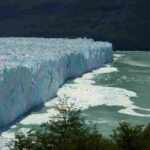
(30, 51)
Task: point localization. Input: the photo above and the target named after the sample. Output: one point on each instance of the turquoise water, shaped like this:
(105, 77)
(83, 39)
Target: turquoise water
(133, 74)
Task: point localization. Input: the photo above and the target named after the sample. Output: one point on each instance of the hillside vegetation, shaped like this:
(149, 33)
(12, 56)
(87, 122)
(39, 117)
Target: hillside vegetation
(126, 23)
(69, 131)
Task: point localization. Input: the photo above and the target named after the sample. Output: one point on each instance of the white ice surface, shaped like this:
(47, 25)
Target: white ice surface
(32, 69)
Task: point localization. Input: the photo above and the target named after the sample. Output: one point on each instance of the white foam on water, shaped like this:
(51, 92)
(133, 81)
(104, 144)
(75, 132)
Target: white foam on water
(88, 77)
(39, 118)
(118, 56)
(97, 122)
(83, 93)
(136, 63)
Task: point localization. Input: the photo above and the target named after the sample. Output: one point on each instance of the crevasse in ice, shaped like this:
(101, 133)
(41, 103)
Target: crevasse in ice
(32, 69)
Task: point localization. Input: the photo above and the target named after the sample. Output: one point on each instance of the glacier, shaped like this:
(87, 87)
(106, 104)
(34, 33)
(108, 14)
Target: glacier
(33, 69)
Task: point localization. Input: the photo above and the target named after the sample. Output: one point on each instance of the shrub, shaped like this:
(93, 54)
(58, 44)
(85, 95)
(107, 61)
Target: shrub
(68, 131)
(127, 137)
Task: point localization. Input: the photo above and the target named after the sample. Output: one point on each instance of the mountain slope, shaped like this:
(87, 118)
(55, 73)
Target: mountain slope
(125, 23)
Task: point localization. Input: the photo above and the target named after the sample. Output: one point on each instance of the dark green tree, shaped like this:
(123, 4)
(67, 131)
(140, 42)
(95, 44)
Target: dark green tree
(66, 131)
(127, 137)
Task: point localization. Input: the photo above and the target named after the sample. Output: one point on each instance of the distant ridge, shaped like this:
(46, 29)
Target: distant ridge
(126, 23)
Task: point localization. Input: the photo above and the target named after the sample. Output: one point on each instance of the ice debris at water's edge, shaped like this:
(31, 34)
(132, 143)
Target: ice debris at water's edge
(32, 69)
(84, 93)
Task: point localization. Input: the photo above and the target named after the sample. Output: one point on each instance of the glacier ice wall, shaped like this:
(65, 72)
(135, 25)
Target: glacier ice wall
(32, 69)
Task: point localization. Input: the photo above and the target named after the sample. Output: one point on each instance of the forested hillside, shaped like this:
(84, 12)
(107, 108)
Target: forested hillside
(126, 23)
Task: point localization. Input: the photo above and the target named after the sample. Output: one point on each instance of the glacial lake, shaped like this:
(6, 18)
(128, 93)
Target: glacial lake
(117, 92)
(134, 75)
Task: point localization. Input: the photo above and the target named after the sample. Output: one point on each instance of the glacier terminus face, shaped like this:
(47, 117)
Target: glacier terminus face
(32, 70)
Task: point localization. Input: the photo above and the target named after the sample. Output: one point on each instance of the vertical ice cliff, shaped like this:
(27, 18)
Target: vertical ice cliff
(32, 69)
